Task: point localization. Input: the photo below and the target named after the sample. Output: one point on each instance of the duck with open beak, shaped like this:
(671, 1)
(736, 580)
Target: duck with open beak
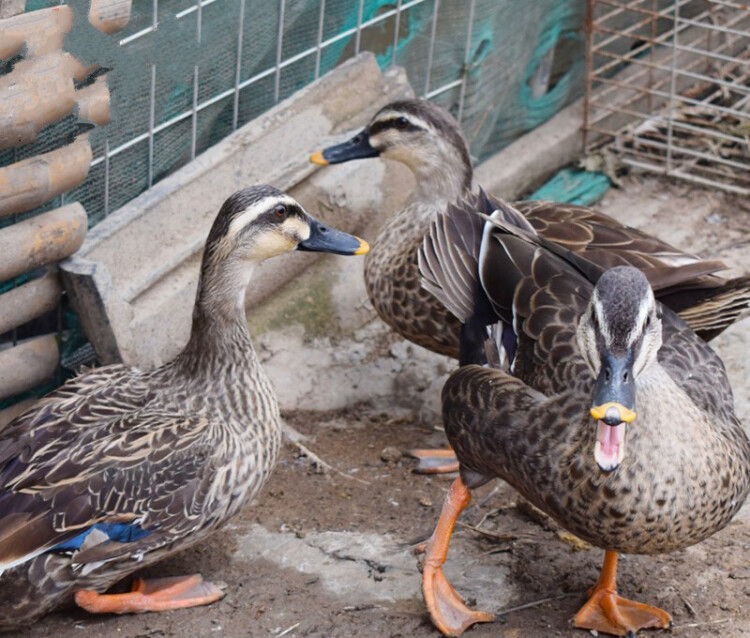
(613, 407)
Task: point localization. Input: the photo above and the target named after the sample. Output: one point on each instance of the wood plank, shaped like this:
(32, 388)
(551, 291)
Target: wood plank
(41, 240)
(10, 8)
(93, 102)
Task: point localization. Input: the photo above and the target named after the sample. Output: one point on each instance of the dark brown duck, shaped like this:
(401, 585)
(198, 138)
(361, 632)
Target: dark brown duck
(613, 416)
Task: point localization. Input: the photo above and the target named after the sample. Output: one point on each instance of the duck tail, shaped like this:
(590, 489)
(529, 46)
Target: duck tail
(717, 308)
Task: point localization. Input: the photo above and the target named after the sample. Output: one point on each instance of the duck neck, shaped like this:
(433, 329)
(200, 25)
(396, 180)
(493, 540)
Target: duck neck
(440, 184)
(219, 335)
(442, 171)
(443, 178)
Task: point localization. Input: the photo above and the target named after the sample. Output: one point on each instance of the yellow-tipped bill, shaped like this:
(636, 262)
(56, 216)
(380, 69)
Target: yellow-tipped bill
(364, 247)
(623, 414)
(317, 158)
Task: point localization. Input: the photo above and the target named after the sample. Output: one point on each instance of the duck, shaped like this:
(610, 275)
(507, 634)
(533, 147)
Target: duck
(427, 139)
(119, 468)
(610, 414)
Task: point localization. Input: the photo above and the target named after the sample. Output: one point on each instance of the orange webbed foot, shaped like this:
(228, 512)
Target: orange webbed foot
(156, 594)
(609, 613)
(439, 461)
(448, 612)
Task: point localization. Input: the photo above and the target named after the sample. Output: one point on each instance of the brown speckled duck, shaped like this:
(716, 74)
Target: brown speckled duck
(429, 141)
(119, 468)
(613, 416)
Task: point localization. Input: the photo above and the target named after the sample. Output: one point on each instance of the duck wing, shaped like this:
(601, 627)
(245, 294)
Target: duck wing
(101, 457)
(682, 281)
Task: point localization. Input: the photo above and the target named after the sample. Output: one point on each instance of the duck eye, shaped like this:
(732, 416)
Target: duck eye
(402, 122)
(648, 321)
(280, 212)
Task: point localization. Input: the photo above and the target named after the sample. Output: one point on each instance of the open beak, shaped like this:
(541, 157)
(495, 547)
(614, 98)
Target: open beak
(613, 406)
(356, 148)
(329, 240)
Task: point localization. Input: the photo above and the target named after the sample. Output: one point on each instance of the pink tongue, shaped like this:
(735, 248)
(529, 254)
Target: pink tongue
(610, 439)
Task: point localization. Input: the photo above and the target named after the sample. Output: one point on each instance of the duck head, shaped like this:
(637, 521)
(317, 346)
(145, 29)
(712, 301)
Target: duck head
(261, 222)
(253, 225)
(418, 133)
(619, 337)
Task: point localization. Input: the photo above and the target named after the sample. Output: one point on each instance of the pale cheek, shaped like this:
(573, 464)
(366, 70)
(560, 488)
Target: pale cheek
(274, 245)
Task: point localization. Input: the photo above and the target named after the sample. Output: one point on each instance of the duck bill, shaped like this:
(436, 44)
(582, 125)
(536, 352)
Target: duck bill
(356, 148)
(325, 239)
(613, 407)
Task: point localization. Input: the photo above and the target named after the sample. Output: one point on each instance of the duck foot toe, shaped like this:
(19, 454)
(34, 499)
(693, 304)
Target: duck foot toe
(607, 612)
(447, 610)
(439, 461)
(156, 594)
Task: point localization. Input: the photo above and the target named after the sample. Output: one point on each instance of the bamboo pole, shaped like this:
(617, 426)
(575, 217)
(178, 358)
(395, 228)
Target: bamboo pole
(41, 240)
(27, 365)
(31, 182)
(41, 31)
(29, 301)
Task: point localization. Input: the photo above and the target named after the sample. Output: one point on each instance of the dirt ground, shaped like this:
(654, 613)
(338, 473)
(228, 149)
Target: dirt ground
(332, 553)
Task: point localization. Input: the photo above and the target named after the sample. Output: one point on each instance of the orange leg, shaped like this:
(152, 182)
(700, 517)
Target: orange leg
(447, 609)
(156, 594)
(435, 461)
(606, 612)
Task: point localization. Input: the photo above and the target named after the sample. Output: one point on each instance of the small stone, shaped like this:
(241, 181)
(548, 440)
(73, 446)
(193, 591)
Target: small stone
(390, 455)
(594, 632)
(425, 502)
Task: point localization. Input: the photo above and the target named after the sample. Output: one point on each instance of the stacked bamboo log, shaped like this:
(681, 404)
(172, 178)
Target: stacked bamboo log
(40, 90)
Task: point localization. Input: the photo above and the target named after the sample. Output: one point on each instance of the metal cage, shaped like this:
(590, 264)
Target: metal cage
(668, 86)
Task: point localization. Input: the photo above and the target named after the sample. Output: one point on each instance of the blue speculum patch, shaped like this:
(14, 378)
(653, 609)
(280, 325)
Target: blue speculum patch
(118, 532)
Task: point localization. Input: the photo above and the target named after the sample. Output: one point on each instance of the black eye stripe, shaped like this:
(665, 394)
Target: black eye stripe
(291, 211)
(393, 123)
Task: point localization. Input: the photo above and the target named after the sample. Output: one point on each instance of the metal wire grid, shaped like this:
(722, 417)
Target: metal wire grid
(275, 71)
(670, 82)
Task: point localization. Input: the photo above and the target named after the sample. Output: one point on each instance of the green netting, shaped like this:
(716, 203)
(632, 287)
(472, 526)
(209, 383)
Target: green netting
(524, 64)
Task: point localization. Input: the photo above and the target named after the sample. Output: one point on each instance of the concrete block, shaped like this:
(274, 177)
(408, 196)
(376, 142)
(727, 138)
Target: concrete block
(533, 158)
(133, 281)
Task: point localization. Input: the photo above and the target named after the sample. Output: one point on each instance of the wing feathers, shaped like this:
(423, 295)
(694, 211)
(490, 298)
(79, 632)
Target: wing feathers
(448, 257)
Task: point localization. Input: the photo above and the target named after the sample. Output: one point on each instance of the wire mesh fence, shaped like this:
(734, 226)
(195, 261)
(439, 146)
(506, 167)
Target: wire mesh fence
(669, 82)
(185, 73)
